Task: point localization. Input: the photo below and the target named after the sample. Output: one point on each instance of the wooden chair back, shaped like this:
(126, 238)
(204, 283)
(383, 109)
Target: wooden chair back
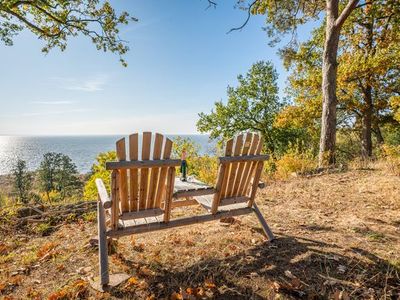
(142, 182)
(239, 171)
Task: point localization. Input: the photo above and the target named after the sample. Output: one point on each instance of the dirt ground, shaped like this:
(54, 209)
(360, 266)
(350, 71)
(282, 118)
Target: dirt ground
(338, 237)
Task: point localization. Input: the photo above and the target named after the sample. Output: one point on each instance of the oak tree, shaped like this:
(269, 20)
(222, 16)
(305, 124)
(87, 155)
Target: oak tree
(283, 17)
(55, 21)
(368, 74)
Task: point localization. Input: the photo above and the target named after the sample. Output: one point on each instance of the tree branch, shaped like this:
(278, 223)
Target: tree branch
(247, 19)
(211, 3)
(351, 5)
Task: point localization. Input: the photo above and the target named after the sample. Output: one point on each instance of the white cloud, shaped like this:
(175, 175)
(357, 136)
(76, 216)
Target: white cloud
(96, 83)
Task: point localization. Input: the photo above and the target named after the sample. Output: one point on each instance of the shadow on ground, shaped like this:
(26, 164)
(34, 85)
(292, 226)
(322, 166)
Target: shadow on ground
(291, 266)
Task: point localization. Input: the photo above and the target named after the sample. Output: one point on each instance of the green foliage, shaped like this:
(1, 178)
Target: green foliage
(44, 229)
(203, 168)
(58, 177)
(90, 216)
(391, 155)
(4, 201)
(22, 181)
(368, 77)
(55, 21)
(99, 171)
(252, 106)
(294, 162)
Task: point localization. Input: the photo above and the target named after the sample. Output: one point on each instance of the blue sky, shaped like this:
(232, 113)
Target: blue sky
(181, 61)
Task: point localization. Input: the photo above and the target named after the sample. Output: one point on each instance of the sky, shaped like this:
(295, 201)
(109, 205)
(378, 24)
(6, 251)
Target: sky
(180, 62)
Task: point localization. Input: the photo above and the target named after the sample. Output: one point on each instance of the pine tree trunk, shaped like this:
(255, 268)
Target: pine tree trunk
(329, 75)
(366, 143)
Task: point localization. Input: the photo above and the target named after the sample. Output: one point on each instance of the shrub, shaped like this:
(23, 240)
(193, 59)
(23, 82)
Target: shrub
(203, 168)
(294, 162)
(391, 156)
(99, 171)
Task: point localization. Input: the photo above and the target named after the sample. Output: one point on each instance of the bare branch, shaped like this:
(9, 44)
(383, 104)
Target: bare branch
(210, 4)
(247, 19)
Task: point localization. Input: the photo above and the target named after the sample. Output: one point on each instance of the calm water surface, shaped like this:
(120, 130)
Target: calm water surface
(82, 149)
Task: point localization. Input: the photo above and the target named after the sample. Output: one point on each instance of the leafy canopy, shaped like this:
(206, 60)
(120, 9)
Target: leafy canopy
(252, 106)
(368, 58)
(54, 21)
(57, 173)
(99, 171)
(22, 181)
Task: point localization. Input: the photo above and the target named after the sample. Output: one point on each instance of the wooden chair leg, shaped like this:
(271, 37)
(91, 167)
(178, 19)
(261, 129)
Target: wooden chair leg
(103, 254)
(263, 223)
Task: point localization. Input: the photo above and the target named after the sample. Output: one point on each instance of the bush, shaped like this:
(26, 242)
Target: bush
(391, 156)
(99, 171)
(203, 168)
(294, 162)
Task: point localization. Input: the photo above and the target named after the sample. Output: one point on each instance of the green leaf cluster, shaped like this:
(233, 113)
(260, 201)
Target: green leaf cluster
(55, 21)
(58, 175)
(252, 105)
(99, 171)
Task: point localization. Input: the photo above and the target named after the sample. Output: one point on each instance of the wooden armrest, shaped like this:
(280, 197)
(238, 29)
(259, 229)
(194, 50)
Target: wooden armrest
(137, 164)
(194, 192)
(235, 159)
(103, 196)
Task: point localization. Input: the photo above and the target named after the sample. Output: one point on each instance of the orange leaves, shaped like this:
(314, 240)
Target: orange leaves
(207, 290)
(59, 295)
(47, 251)
(134, 283)
(3, 287)
(4, 249)
(77, 290)
(146, 271)
(6, 287)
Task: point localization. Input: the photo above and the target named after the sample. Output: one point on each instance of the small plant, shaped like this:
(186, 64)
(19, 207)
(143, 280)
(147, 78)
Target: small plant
(29, 258)
(44, 229)
(90, 216)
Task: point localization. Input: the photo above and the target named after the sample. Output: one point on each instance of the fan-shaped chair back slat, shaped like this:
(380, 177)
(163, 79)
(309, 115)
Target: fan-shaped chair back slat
(145, 182)
(238, 170)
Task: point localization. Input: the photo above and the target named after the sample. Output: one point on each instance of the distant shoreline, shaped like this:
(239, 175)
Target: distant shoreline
(82, 149)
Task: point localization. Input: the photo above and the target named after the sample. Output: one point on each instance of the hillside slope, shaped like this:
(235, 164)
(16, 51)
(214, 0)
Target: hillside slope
(338, 236)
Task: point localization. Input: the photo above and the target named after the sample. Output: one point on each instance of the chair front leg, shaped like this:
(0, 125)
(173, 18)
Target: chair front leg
(263, 223)
(103, 255)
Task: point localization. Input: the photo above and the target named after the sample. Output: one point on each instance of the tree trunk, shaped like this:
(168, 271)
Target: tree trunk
(329, 75)
(366, 143)
(378, 134)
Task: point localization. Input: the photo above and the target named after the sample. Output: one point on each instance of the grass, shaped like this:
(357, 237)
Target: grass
(337, 237)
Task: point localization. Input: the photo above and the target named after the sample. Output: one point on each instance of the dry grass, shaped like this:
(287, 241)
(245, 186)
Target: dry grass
(337, 238)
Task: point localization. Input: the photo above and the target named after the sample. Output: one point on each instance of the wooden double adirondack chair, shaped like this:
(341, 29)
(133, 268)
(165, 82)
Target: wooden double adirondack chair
(142, 190)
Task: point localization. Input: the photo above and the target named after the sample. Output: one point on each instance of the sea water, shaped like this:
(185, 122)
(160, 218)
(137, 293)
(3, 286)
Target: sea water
(81, 149)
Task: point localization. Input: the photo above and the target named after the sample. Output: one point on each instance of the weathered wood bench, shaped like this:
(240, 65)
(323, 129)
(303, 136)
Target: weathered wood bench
(143, 192)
